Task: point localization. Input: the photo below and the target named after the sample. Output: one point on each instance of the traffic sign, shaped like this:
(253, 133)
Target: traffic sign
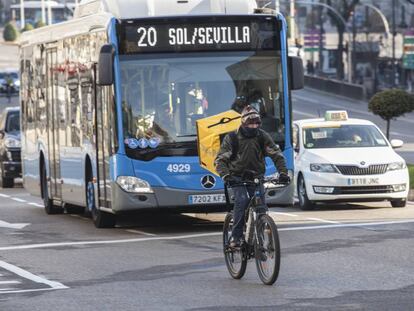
(408, 48)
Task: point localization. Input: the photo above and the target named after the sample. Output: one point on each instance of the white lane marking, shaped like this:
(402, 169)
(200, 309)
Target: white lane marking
(284, 214)
(182, 237)
(4, 195)
(29, 290)
(19, 200)
(324, 220)
(356, 225)
(140, 232)
(30, 276)
(4, 224)
(35, 204)
(46, 245)
(312, 115)
(9, 282)
(7, 289)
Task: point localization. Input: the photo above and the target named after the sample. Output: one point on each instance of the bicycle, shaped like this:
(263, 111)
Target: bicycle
(261, 238)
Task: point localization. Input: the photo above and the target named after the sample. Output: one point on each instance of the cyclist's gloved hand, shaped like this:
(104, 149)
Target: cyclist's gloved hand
(228, 179)
(284, 178)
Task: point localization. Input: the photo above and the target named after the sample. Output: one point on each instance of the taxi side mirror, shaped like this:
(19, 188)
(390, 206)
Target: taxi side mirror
(106, 65)
(296, 74)
(396, 143)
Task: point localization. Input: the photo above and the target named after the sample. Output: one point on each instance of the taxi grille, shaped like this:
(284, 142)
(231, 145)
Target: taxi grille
(363, 189)
(355, 170)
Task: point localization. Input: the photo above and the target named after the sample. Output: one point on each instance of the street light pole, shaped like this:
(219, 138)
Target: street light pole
(43, 11)
(292, 21)
(22, 23)
(49, 12)
(394, 73)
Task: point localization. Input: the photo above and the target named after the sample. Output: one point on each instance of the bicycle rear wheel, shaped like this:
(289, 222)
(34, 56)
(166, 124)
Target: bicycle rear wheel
(236, 260)
(267, 250)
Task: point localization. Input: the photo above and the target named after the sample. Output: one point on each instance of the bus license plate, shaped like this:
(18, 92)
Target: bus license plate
(362, 181)
(206, 198)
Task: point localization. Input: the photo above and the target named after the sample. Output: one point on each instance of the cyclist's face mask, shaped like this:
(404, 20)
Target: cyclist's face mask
(250, 130)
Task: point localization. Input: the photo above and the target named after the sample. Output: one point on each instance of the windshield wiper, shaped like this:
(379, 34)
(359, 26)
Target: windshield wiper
(187, 135)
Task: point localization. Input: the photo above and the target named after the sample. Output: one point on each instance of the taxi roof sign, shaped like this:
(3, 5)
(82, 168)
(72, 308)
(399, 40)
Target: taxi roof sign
(336, 115)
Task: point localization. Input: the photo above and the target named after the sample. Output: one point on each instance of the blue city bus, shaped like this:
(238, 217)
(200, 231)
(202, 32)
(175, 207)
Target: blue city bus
(110, 99)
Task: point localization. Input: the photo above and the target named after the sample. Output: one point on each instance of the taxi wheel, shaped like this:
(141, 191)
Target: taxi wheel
(399, 203)
(304, 203)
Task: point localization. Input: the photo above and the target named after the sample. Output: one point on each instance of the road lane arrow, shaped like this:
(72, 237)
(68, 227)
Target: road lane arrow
(4, 224)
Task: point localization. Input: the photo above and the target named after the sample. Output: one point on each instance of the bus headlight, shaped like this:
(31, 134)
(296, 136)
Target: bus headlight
(12, 143)
(133, 184)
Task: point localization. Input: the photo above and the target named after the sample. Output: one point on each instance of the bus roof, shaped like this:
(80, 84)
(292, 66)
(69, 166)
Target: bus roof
(129, 9)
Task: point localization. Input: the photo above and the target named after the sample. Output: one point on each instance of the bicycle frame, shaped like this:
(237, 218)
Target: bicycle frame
(251, 212)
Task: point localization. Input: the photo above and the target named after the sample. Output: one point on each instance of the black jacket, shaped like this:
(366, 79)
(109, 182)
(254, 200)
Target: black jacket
(250, 155)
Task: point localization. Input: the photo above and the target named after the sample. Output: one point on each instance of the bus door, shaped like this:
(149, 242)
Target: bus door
(53, 126)
(99, 130)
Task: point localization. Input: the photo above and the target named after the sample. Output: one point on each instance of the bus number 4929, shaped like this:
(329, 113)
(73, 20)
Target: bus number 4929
(179, 168)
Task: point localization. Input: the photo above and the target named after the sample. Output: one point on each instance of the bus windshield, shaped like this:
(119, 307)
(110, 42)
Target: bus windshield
(164, 95)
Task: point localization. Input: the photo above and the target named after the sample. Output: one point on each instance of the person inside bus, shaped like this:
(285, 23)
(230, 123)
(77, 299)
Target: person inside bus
(239, 103)
(245, 163)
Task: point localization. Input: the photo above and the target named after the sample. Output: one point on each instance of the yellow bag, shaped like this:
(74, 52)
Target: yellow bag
(210, 133)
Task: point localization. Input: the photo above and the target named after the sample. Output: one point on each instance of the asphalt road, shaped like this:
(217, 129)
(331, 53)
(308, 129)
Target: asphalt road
(310, 103)
(345, 257)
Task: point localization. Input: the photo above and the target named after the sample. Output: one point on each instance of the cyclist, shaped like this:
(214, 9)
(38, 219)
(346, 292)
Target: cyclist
(242, 157)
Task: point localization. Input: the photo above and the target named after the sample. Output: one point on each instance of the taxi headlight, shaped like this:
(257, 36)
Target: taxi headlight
(134, 184)
(396, 166)
(323, 168)
(12, 143)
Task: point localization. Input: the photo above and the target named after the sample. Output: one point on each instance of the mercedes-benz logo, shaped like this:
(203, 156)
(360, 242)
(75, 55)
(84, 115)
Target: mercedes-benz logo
(363, 163)
(208, 181)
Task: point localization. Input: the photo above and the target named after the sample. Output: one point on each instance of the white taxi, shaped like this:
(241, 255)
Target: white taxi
(338, 159)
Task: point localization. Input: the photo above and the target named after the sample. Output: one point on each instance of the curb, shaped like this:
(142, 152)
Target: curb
(8, 43)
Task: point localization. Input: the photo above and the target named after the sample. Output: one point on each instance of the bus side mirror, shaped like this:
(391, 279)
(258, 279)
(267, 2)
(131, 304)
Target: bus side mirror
(106, 65)
(296, 74)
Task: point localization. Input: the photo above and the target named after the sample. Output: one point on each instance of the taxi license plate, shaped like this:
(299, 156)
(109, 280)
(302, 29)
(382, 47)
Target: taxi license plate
(363, 181)
(206, 198)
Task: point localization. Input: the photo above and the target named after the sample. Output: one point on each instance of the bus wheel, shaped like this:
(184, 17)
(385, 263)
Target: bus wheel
(50, 209)
(100, 219)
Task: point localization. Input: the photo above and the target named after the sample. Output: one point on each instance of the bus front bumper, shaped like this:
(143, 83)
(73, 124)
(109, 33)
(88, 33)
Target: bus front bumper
(178, 200)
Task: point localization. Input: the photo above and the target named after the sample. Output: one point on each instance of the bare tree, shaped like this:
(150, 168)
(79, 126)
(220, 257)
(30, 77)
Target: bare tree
(346, 9)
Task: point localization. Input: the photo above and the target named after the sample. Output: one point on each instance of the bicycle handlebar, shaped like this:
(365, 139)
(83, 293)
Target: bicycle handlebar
(258, 181)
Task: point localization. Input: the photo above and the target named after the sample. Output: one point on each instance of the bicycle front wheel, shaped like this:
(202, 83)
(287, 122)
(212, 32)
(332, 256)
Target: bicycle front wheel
(267, 250)
(236, 260)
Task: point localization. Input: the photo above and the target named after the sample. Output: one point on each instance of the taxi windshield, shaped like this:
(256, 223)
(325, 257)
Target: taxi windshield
(343, 136)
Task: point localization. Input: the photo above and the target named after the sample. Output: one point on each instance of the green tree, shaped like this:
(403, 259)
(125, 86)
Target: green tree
(10, 32)
(27, 27)
(39, 24)
(391, 104)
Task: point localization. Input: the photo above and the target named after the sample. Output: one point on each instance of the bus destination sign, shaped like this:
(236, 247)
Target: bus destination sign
(184, 36)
